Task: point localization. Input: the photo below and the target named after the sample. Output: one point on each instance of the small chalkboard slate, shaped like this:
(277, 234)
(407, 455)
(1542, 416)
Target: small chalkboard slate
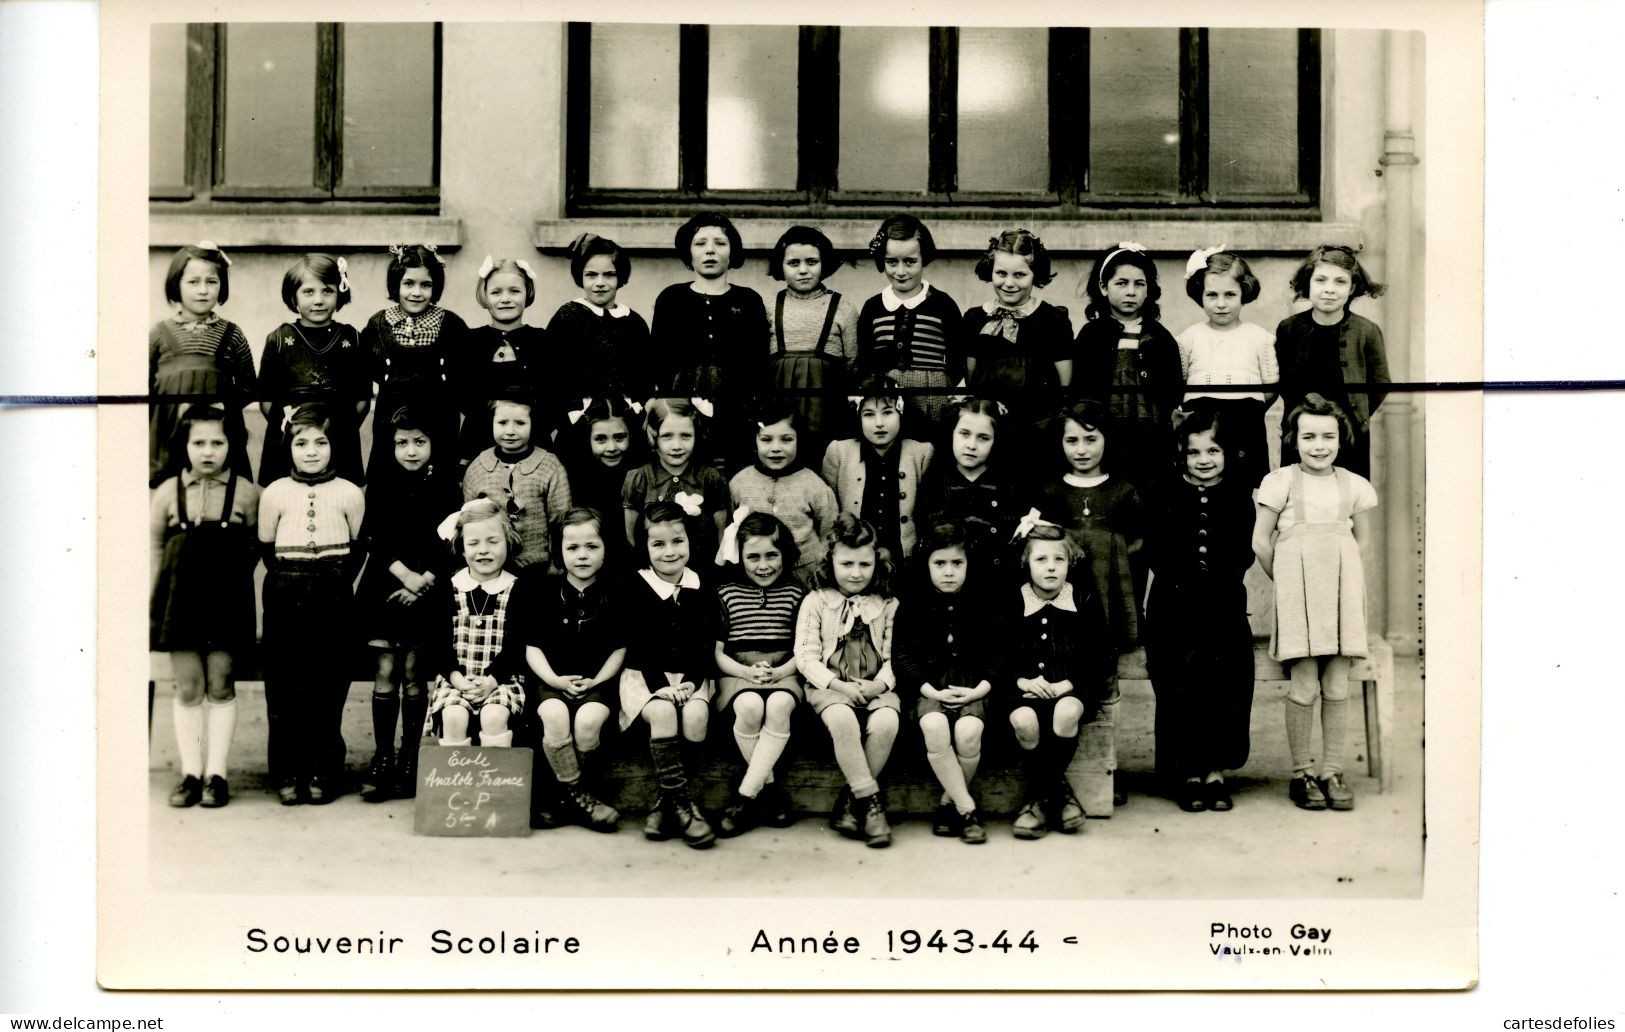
(469, 791)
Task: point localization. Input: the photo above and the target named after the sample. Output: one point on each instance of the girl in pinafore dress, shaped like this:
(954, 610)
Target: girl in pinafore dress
(202, 523)
(757, 662)
(813, 330)
(1128, 361)
(411, 345)
(407, 569)
(501, 359)
(1017, 348)
(310, 520)
(909, 332)
(1198, 641)
(1313, 519)
(474, 676)
(843, 650)
(779, 484)
(668, 680)
(314, 358)
(195, 356)
(599, 347)
(575, 646)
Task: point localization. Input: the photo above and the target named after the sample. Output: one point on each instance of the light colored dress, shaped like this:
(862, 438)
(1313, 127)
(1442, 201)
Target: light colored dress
(1319, 579)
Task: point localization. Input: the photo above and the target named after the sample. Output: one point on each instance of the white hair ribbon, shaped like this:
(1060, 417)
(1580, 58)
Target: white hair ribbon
(576, 414)
(637, 409)
(524, 267)
(447, 530)
(1198, 259)
(398, 250)
(1125, 245)
(689, 503)
(727, 548)
(1028, 522)
(210, 245)
(287, 416)
(344, 274)
(485, 269)
(702, 406)
(857, 400)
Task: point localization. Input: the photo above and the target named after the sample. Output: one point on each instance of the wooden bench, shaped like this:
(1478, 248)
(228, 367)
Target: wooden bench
(809, 774)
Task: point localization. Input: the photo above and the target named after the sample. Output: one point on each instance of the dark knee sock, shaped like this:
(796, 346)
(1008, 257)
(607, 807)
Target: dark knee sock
(667, 754)
(385, 709)
(1034, 772)
(1060, 750)
(414, 709)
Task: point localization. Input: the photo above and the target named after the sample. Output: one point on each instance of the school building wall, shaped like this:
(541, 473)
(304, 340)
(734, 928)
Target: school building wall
(502, 193)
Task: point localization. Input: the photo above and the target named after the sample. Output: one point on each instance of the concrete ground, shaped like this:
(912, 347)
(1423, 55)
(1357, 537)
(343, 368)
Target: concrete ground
(1264, 849)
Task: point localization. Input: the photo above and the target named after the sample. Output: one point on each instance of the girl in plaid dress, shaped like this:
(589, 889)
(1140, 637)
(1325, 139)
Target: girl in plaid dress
(476, 680)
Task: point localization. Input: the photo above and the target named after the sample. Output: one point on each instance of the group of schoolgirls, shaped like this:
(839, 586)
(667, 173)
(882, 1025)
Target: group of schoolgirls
(802, 606)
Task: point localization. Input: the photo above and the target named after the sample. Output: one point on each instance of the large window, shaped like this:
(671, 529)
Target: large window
(295, 112)
(1061, 120)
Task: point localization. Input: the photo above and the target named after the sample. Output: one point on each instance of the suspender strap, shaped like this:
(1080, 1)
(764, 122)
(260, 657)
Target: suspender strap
(829, 321)
(778, 322)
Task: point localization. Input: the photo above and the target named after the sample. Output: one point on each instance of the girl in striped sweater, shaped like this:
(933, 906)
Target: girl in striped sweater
(758, 665)
(906, 332)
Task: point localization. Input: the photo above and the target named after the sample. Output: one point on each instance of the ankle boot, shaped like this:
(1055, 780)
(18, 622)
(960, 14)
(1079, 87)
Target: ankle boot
(658, 825)
(695, 829)
(375, 783)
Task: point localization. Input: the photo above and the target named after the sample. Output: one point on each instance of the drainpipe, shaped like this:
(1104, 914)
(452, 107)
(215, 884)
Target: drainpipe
(1398, 412)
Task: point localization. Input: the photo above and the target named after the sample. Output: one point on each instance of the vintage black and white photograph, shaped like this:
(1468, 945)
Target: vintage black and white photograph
(640, 503)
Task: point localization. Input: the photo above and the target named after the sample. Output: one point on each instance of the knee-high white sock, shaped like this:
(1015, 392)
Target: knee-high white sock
(746, 743)
(769, 747)
(189, 737)
(221, 718)
(1300, 726)
(1334, 732)
(945, 765)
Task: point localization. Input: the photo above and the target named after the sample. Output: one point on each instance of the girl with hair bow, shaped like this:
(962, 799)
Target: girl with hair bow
(502, 358)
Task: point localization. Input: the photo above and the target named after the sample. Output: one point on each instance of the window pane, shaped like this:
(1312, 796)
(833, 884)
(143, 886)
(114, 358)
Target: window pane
(1133, 111)
(166, 125)
(270, 105)
(884, 95)
(633, 141)
(751, 127)
(1253, 105)
(1004, 109)
(389, 102)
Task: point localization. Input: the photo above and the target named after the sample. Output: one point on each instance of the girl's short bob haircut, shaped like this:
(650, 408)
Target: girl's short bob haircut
(408, 418)
(1050, 533)
(478, 510)
(661, 409)
(575, 517)
(1223, 263)
(414, 256)
(1315, 405)
(513, 396)
(505, 265)
(1106, 267)
(855, 532)
(902, 227)
(701, 220)
(1018, 242)
(177, 266)
(934, 538)
(660, 512)
(322, 266)
(588, 246)
(1338, 255)
(1089, 414)
(778, 410)
(809, 237)
(765, 524)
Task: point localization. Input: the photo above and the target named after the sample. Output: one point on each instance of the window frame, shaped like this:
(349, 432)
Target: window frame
(205, 120)
(818, 136)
